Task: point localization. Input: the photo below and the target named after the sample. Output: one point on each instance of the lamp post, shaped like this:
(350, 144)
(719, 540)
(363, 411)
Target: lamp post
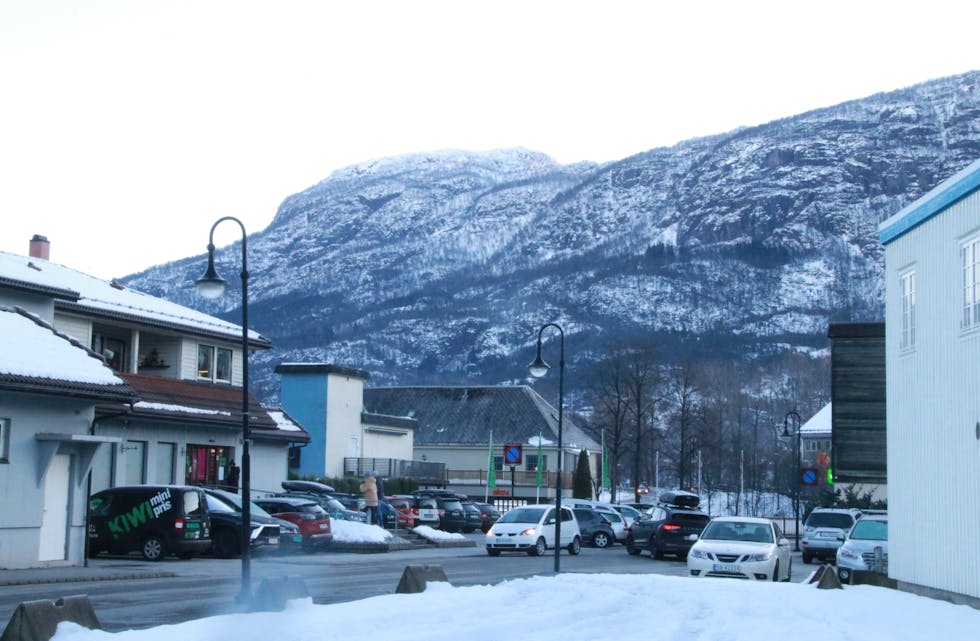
(796, 455)
(538, 369)
(211, 285)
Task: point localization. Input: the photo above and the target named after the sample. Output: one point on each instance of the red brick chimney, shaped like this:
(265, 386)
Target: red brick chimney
(40, 247)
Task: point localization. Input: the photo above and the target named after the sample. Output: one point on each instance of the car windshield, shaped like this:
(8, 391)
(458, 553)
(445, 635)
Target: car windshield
(738, 531)
(870, 530)
(335, 505)
(830, 519)
(452, 505)
(522, 515)
(217, 506)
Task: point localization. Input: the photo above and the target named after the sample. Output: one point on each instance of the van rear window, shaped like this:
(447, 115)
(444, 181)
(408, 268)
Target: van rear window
(193, 505)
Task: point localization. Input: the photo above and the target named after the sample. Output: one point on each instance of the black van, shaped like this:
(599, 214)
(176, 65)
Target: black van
(155, 520)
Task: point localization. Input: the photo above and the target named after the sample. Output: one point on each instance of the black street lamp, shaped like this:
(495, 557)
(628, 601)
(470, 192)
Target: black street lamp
(538, 369)
(211, 285)
(796, 454)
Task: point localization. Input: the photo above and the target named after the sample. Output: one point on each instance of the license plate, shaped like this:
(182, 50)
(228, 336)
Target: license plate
(323, 526)
(298, 538)
(827, 535)
(726, 567)
(273, 540)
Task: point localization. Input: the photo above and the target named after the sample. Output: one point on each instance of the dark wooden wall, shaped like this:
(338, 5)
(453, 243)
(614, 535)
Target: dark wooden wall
(857, 390)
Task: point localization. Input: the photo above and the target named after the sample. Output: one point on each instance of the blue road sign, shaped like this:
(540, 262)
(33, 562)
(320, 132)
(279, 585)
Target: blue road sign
(809, 476)
(512, 454)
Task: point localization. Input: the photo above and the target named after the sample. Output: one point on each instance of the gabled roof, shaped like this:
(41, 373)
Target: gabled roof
(80, 293)
(467, 415)
(948, 192)
(210, 405)
(36, 358)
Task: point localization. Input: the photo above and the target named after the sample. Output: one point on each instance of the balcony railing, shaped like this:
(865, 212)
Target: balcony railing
(435, 474)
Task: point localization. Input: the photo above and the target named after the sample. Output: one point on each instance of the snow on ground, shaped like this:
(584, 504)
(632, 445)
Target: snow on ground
(596, 607)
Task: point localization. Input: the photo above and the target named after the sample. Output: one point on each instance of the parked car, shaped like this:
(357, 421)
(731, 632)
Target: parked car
(226, 525)
(155, 520)
(325, 496)
(474, 518)
(531, 529)
(741, 547)
(670, 527)
(425, 510)
(618, 523)
(824, 530)
(403, 508)
(864, 548)
(451, 515)
(489, 515)
(629, 513)
(594, 527)
(312, 520)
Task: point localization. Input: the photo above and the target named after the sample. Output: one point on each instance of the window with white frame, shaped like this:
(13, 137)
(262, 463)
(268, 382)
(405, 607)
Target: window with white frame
(907, 285)
(214, 363)
(4, 440)
(970, 260)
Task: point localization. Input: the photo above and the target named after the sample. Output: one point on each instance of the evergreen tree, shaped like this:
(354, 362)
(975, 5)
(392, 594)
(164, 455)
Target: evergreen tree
(582, 483)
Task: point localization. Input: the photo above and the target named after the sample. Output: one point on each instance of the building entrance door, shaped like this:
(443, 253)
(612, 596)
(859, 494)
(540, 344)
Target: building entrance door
(207, 464)
(53, 535)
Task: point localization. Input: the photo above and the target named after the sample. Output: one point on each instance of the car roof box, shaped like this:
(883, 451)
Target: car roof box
(306, 486)
(680, 498)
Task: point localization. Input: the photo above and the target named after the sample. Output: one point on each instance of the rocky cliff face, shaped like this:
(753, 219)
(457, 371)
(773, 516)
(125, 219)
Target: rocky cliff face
(441, 267)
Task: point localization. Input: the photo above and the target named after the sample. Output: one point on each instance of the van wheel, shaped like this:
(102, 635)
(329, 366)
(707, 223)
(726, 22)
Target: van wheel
(575, 546)
(153, 548)
(224, 543)
(601, 540)
(538, 549)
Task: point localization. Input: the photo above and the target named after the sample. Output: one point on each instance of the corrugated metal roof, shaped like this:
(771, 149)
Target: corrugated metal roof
(465, 415)
(206, 403)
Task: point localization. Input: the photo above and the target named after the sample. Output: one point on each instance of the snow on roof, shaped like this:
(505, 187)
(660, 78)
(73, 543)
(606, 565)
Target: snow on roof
(171, 407)
(31, 348)
(101, 296)
(283, 422)
(819, 423)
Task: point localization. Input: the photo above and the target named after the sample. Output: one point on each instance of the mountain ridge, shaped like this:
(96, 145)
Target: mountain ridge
(441, 266)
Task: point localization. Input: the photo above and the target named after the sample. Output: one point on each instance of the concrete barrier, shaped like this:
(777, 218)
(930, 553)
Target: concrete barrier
(272, 594)
(38, 620)
(415, 577)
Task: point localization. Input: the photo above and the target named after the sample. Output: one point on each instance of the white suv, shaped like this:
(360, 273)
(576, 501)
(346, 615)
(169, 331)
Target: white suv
(824, 530)
(531, 529)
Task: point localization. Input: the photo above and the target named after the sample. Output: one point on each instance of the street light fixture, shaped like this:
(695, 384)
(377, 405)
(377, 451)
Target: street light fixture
(538, 369)
(796, 455)
(211, 285)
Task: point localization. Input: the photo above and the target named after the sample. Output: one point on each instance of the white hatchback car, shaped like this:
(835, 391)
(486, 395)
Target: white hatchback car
(531, 529)
(741, 547)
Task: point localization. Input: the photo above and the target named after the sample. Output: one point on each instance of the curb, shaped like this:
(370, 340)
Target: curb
(87, 579)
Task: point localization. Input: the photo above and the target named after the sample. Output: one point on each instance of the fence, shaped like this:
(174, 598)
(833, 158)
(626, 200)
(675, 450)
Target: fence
(425, 472)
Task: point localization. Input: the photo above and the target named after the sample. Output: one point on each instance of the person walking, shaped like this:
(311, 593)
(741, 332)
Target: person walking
(369, 488)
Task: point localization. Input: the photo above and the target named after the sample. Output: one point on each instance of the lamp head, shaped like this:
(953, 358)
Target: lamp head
(211, 285)
(538, 368)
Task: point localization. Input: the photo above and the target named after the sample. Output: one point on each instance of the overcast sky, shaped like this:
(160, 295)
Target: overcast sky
(128, 127)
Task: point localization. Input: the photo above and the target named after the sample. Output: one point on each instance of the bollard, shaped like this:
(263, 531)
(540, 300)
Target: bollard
(828, 579)
(272, 594)
(38, 620)
(414, 578)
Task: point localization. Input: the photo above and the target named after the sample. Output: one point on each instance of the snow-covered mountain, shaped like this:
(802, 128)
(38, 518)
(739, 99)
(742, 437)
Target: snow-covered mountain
(441, 267)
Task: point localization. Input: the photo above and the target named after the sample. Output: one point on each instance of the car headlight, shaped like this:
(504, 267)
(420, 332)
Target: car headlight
(848, 554)
(700, 554)
(529, 532)
(490, 532)
(762, 556)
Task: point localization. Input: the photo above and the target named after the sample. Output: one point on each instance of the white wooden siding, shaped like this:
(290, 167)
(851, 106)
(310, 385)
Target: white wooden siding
(933, 409)
(79, 328)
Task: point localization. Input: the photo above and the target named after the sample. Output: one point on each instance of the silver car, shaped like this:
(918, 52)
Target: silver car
(864, 548)
(823, 531)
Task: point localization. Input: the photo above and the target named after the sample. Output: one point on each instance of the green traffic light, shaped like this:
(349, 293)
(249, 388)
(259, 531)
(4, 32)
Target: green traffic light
(830, 476)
